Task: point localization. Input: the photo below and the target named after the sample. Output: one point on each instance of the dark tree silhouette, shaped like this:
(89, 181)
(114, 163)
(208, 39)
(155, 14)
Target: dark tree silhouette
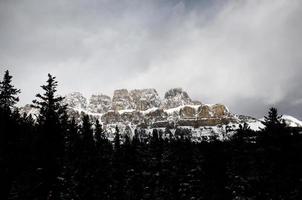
(50, 143)
(275, 128)
(8, 93)
(8, 133)
(87, 135)
(273, 121)
(117, 139)
(98, 133)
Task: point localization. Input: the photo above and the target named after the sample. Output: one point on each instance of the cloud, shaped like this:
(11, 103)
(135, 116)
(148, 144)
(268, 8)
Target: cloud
(245, 54)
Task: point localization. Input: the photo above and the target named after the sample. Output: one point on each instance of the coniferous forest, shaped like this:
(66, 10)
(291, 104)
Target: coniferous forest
(53, 157)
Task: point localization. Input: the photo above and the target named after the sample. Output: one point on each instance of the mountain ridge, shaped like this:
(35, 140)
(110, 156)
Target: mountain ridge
(143, 108)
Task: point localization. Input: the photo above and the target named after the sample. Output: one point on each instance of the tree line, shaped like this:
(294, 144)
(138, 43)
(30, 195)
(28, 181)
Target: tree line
(53, 157)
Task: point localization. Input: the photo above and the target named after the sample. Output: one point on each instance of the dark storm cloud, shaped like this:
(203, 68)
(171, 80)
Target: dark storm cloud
(246, 54)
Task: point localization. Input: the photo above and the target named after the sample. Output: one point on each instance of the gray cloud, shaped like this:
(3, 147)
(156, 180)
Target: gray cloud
(245, 54)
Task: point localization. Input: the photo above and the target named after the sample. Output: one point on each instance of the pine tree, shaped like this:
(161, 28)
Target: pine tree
(98, 132)
(274, 125)
(87, 133)
(9, 132)
(273, 119)
(117, 140)
(8, 92)
(49, 105)
(52, 113)
(50, 142)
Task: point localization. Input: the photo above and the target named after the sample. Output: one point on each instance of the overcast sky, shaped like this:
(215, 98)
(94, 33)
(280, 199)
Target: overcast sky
(245, 54)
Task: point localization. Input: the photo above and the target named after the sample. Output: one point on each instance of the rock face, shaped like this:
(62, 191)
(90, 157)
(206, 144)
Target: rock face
(176, 97)
(204, 111)
(144, 108)
(187, 112)
(76, 100)
(220, 110)
(214, 111)
(156, 115)
(122, 100)
(99, 103)
(145, 99)
(111, 117)
(134, 117)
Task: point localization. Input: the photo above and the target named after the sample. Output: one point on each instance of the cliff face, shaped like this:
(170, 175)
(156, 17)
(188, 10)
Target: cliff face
(145, 99)
(144, 107)
(99, 103)
(176, 97)
(122, 100)
(76, 100)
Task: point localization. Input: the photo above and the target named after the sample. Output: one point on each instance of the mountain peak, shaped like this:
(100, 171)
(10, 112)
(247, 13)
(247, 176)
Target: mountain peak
(176, 97)
(76, 100)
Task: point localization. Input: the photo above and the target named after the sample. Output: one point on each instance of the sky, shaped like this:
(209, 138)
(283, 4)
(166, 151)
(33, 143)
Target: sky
(244, 54)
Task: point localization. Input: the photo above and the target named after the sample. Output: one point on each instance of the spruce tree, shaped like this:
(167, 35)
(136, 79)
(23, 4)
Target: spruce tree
(87, 134)
(274, 125)
(9, 129)
(50, 142)
(8, 92)
(52, 114)
(117, 140)
(273, 119)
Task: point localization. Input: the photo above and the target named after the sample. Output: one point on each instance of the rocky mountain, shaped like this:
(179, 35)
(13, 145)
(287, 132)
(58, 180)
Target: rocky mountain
(99, 103)
(76, 100)
(176, 97)
(143, 108)
(122, 100)
(145, 99)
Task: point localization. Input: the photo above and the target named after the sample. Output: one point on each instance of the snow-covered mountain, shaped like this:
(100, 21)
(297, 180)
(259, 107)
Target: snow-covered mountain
(176, 97)
(76, 100)
(292, 121)
(99, 103)
(143, 108)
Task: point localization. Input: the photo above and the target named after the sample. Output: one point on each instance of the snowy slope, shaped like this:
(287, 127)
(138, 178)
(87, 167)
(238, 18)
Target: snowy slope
(292, 121)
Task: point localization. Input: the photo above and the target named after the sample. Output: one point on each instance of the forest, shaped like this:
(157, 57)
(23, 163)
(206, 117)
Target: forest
(53, 157)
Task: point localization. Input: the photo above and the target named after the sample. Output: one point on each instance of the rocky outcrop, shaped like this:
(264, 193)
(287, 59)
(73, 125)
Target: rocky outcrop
(145, 99)
(76, 100)
(122, 100)
(144, 108)
(204, 111)
(99, 103)
(187, 112)
(220, 110)
(176, 97)
(134, 117)
(156, 115)
(206, 122)
(213, 111)
(111, 117)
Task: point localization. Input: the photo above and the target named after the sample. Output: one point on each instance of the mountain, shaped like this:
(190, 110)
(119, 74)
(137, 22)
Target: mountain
(291, 121)
(143, 108)
(99, 103)
(176, 97)
(145, 99)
